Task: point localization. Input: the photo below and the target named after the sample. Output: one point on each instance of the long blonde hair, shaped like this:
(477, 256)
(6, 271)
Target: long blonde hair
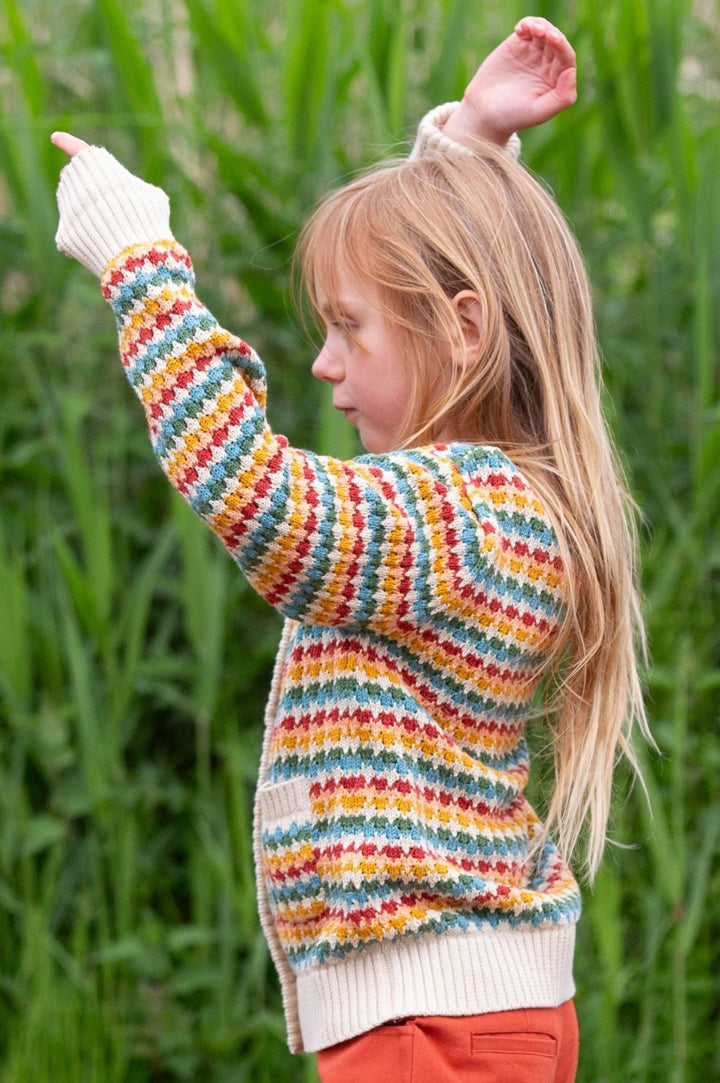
(421, 231)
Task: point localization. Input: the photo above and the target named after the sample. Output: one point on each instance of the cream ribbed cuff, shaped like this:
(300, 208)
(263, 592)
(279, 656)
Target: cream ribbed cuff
(104, 208)
(430, 135)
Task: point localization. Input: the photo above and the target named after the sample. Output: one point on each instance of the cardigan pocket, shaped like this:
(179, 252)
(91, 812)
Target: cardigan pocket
(289, 846)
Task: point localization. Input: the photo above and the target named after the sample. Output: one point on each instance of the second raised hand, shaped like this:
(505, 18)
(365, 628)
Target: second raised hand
(526, 80)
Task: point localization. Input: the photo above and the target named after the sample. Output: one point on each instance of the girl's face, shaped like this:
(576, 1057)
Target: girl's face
(362, 361)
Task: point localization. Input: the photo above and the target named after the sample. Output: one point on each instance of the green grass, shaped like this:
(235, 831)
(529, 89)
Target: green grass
(133, 658)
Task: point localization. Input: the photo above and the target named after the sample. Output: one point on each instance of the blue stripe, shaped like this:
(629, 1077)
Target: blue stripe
(129, 290)
(388, 762)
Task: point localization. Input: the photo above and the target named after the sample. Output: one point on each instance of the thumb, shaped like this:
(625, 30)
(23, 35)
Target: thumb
(566, 86)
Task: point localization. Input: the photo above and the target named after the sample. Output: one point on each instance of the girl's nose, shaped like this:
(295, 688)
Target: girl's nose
(326, 367)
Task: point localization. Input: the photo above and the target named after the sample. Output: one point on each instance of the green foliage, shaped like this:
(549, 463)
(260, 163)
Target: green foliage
(133, 658)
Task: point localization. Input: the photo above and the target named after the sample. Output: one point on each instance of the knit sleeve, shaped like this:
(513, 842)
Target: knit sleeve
(326, 542)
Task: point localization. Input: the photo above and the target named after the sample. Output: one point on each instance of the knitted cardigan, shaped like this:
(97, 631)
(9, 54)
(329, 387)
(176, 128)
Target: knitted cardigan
(423, 589)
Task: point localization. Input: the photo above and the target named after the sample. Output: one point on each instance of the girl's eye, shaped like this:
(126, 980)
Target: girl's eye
(345, 327)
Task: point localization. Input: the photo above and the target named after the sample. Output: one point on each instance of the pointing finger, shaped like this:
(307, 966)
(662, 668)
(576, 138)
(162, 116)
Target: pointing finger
(69, 143)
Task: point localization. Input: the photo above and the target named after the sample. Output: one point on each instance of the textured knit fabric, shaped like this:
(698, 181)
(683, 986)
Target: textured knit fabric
(424, 589)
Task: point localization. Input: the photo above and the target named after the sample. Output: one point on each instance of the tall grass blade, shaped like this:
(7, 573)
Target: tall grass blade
(135, 83)
(223, 33)
(306, 67)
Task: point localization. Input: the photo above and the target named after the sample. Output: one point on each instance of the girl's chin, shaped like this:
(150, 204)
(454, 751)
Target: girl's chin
(375, 443)
(375, 447)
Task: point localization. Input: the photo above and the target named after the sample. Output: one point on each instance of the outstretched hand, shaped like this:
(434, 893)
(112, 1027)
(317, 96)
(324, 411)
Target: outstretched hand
(104, 208)
(528, 79)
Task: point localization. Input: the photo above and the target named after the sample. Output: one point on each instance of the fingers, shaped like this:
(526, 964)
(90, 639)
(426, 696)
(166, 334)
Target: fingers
(534, 26)
(69, 143)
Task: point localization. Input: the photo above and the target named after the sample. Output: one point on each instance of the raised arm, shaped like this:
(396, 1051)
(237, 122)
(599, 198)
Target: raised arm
(326, 542)
(526, 80)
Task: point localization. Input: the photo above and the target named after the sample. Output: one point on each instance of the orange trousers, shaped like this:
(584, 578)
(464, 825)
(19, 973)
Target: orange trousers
(530, 1045)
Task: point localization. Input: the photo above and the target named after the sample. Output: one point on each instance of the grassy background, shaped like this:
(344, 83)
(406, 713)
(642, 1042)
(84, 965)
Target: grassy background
(134, 661)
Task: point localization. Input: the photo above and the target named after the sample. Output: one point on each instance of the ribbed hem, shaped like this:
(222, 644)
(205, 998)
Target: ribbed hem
(452, 974)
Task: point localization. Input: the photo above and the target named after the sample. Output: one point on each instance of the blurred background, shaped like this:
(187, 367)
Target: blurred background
(134, 660)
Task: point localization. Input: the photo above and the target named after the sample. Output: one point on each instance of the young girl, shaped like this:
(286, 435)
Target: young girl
(475, 567)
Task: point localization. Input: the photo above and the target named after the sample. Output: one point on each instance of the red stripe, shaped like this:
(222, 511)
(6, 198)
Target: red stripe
(431, 638)
(484, 810)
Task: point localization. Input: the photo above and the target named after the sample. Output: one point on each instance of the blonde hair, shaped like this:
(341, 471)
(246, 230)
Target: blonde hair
(421, 231)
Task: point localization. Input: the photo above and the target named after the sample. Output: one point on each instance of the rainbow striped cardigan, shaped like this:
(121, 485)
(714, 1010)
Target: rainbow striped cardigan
(422, 591)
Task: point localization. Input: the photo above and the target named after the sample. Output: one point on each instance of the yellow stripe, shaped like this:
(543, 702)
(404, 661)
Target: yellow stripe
(329, 596)
(266, 577)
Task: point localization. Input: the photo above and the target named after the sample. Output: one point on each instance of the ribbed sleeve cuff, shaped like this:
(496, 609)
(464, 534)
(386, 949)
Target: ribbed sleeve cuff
(431, 137)
(104, 209)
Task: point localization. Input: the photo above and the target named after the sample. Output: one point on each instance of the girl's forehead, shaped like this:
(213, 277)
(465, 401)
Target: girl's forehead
(339, 287)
